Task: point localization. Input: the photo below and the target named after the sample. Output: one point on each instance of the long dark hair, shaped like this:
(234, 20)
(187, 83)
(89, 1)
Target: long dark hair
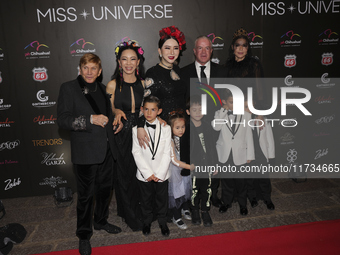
(139, 72)
(231, 51)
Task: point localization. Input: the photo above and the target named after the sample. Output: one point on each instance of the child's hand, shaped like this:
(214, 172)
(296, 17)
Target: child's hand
(248, 161)
(151, 178)
(162, 122)
(155, 179)
(192, 167)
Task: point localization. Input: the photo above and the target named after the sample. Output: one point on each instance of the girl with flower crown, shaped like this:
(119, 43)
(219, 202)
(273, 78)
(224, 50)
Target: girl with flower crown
(127, 90)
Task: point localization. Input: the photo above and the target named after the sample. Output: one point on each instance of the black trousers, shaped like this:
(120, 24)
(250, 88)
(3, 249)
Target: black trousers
(232, 186)
(154, 197)
(201, 193)
(94, 182)
(215, 183)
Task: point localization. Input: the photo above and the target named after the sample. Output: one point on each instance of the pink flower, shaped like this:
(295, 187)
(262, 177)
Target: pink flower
(140, 51)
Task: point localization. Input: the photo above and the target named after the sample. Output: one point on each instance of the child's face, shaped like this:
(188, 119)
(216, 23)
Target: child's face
(228, 104)
(150, 111)
(195, 112)
(246, 108)
(178, 128)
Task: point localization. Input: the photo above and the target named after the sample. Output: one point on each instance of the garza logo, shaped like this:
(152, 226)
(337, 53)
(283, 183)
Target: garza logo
(214, 40)
(79, 47)
(255, 43)
(40, 74)
(290, 61)
(327, 59)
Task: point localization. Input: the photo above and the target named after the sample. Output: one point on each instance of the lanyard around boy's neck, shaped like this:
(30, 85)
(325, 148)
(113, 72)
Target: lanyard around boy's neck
(232, 129)
(153, 150)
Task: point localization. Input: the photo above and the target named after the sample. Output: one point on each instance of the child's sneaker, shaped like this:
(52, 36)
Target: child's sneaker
(179, 223)
(186, 214)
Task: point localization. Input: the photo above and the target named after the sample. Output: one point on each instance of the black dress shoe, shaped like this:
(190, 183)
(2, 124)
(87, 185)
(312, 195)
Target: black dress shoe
(223, 208)
(216, 202)
(85, 247)
(195, 217)
(270, 205)
(253, 203)
(244, 211)
(146, 229)
(165, 230)
(109, 228)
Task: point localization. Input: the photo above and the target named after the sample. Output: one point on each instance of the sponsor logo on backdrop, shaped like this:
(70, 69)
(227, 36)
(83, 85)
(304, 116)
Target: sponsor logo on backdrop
(327, 59)
(300, 8)
(52, 160)
(217, 41)
(43, 100)
(256, 41)
(290, 61)
(6, 123)
(42, 120)
(324, 99)
(326, 82)
(290, 39)
(328, 37)
(12, 183)
(40, 74)
(4, 106)
(80, 47)
(215, 60)
(48, 142)
(52, 181)
(291, 156)
(321, 134)
(36, 50)
(8, 161)
(321, 153)
(9, 145)
(325, 119)
(117, 12)
(290, 82)
(287, 138)
(0, 78)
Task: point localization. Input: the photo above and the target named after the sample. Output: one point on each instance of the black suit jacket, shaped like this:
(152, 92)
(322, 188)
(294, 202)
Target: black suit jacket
(89, 143)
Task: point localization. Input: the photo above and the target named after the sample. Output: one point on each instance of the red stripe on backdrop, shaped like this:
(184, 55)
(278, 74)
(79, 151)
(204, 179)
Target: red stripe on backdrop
(317, 238)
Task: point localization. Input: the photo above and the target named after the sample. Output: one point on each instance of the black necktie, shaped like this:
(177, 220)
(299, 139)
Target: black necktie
(203, 76)
(150, 125)
(230, 112)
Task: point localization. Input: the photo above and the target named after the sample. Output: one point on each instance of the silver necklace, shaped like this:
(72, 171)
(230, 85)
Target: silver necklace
(87, 90)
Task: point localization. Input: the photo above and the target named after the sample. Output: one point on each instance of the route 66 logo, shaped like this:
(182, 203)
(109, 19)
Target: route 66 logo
(40, 74)
(290, 61)
(327, 59)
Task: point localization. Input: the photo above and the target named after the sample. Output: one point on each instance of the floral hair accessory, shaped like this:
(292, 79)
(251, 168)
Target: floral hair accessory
(174, 32)
(132, 43)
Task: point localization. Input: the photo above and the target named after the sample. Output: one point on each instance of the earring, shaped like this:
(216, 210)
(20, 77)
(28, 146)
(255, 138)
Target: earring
(121, 71)
(137, 70)
(160, 55)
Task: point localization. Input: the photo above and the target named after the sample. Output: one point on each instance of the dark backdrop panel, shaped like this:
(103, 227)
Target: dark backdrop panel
(37, 41)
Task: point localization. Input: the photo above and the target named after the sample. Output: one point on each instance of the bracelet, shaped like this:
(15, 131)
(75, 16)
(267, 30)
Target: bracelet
(91, 119)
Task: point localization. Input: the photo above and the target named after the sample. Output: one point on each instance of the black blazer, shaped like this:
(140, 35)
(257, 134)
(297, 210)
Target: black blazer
(89, 143)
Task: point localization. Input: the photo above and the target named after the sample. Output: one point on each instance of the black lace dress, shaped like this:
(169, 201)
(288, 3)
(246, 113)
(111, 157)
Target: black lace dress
(248, 69)
(167, 88)
(125, 181)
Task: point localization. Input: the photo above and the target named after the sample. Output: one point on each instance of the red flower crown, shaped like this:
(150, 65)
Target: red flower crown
(174, 32)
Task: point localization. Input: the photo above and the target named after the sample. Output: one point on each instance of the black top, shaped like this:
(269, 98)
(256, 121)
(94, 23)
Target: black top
(123, 96)
(170, 92)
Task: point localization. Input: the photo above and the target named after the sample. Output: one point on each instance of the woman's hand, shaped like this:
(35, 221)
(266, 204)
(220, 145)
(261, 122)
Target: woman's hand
(143, 138)
(162, 122)
(119, 114)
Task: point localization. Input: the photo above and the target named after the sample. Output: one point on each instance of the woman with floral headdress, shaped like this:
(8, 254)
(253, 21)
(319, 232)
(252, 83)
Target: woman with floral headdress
(127, 90)
(163, 79)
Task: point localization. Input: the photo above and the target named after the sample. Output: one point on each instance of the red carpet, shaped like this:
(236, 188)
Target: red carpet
(304, 239)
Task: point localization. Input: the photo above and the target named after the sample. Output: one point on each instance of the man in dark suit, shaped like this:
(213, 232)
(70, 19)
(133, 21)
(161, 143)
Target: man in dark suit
(84, 108)
(202, 70)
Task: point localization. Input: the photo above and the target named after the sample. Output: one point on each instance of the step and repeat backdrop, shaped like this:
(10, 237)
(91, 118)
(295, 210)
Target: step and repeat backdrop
(41, 43)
